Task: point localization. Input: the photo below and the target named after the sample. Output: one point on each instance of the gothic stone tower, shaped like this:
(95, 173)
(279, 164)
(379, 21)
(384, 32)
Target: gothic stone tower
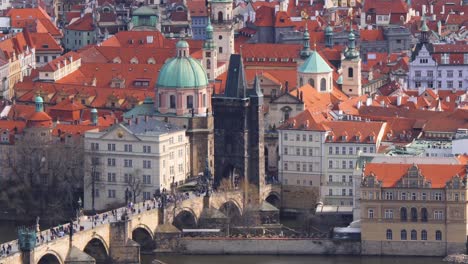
(222, 19)
(239, 132)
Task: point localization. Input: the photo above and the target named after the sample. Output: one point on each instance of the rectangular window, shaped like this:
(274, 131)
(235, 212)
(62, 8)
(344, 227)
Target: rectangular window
(370, 213)
(94, 146)
(438, 196)
(450, 74)
(438, 215)
(439, 73)
(343, 150)
(146, 149)
(343, 164)
(423, 197)
(304, 152)
(350, 151)
(285, 136)
(111, 147)
(111, 162)
(343, 178)
(304, 167)
(330, 178)
(147, 164)
(298, 151)
(128, 148)
(285, 151)
(304, 137)
(430, 73)
(351, 165)
(298, 166)
(388, 214)
(460, 73)
(388, 196)
(350, 192)
(146, 196)
(285, 166)
(330, 164)
(128, 163)
(337, 150)
(371, 150)
(330, 150)
(146, 179)
(111, 193)
(343, 192)
(350, 178)
(311, 151)
(111, 177)
(298, 137)
(310, 138)
(417, 73)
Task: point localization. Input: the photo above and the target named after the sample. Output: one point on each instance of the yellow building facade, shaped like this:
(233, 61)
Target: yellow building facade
(410, 209)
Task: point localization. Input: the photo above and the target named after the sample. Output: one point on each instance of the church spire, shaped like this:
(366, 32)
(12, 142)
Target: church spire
(208, 44)
(351, 52)
(39, 104)
(305, 52)
(424, 31)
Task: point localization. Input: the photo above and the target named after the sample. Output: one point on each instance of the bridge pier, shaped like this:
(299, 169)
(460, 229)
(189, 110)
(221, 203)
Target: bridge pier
(76, 256)
(122, 248)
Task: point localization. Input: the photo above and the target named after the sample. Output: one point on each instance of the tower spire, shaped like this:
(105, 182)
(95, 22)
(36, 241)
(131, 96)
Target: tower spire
(305, 52)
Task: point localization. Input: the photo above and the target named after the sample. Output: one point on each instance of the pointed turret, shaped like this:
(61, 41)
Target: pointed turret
(305, 52)
(236, 84)
(256, 92)
(329, 36)
(424, 31)
(208, 44)
(351, 53)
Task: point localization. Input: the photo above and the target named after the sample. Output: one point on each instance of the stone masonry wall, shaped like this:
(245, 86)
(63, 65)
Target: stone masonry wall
(270, 246)
(411, 248)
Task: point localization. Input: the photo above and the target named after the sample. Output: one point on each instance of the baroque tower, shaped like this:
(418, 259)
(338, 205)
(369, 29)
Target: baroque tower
(222, 19)
(239, 133)
(210, 54)
(351, 65)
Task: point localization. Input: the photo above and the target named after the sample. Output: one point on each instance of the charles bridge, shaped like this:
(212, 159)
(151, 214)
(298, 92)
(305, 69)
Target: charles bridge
(119, 237)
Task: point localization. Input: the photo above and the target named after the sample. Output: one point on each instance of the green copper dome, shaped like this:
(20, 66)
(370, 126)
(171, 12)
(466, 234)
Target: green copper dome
(315, 64)
(182, 72)
(38, 99)
(182, 44)
(340, 80)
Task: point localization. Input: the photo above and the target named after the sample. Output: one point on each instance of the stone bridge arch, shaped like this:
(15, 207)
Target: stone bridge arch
(232, 210)
(97, 248)
(50, 257)
(185, 218)
(144, 236)
(274, 198)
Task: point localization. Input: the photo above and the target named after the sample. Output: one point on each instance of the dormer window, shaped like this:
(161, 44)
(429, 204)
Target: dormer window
(445, 58)
(330, 137)
(343, 138)
(371, 138)
(358, 138)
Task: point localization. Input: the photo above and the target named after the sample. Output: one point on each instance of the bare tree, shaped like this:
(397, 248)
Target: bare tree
(43, 179)
(135, 184)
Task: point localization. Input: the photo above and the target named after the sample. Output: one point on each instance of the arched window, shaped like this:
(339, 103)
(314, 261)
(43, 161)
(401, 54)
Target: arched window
(424, 214)
(403, 214)
(208, 64)
(424, 235)
(438, 235)
(389, 234)
(172, 102)
(160, 100)
(323, 84)
(414, 235)
(286, 111)
(312, 82)
(220, 49)
(189, 101)
(350, 72)
(414, 214)
(403, 234)
(220, 17)
(301, 82)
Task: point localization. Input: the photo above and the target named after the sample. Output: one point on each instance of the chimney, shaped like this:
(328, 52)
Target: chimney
(432, 8)
(359, 104)
(443, 9)
(398, 100)
(423, 10)
(382, 103)
(94, 117)
(368, 101)
(286, 86)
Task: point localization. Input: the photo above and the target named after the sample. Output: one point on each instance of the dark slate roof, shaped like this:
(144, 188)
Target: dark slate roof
(418, 47)
(236, 85)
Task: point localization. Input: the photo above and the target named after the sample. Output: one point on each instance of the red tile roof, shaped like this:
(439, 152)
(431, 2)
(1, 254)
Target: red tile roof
(354, 131)
(438, 174)
(84, 23)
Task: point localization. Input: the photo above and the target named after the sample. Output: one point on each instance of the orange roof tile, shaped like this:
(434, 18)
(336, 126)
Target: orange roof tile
(391, 173)
(84, 23)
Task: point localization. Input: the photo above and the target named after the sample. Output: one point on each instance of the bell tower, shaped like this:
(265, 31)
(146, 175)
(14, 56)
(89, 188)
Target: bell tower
(210, 54)
(223, 31)
(351, 65)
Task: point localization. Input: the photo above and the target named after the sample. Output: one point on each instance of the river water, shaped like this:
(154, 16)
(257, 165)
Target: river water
(257, 259)
(8, 232)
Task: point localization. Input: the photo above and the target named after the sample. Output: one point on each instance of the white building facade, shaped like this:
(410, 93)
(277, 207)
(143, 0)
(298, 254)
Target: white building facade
(130, 162)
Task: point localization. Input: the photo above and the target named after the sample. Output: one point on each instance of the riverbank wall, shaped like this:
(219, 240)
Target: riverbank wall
(268, 246)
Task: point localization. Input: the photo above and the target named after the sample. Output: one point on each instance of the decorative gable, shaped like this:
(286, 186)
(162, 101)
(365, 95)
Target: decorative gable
(414, 179)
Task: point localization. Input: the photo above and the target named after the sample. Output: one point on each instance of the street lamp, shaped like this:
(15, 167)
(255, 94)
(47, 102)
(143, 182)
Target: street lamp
(93, 188)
